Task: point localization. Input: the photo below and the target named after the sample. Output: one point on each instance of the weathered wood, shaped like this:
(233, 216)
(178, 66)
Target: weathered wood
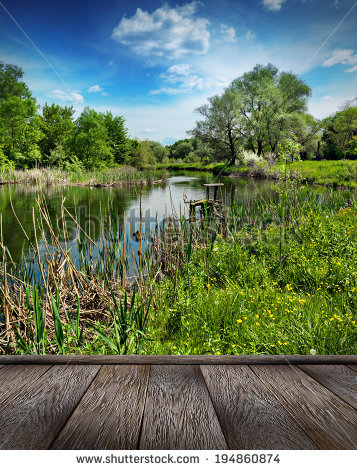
(178, 411)
(326, 419)
(250, 415)
(212, 185)
(353, 367)
(33, 419)
(15, 379)
(110, 413)
(179, 360)
(341, 380)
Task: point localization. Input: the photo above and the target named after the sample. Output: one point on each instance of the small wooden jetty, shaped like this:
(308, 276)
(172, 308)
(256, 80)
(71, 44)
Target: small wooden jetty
(207, 203)
(178, 402)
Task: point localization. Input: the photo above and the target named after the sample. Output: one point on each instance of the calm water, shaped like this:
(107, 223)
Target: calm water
(90, 203)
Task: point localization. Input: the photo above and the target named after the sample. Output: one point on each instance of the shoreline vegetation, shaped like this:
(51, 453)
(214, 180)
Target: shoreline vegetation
(275, 276)
(336, 173)
(124, 175)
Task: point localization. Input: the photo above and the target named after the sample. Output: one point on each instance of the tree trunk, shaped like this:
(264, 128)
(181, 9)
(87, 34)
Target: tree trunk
(260, 147)
(318, 153)
(231, 146)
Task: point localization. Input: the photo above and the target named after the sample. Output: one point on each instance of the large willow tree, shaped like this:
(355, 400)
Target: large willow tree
(256, 111)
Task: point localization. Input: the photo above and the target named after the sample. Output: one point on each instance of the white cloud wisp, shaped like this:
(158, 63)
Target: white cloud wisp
(274, 5)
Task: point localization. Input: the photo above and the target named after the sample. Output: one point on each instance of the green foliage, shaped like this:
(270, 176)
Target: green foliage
(352, 150)
(118, 136)
(10, 82)
(182, 150)
(256, 112)
(56, 125)
(89, 140)
(339, 132)
(142, 156)
(221, 127)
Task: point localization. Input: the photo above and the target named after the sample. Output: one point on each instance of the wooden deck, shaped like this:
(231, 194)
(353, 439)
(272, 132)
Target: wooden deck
(178, 402)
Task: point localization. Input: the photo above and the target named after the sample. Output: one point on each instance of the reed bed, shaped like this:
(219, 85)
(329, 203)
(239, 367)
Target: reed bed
(273, 276)
(121, 175)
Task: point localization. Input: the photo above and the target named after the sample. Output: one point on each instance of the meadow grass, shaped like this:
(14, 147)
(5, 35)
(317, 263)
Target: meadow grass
(275, 276)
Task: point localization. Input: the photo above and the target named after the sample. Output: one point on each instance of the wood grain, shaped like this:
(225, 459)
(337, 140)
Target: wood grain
(178, 411)
(326, 419)
(179, 360)
(34, 418)
(15, 379)
(341, 380)
(353, 367)
(250, 415)
(110, 413)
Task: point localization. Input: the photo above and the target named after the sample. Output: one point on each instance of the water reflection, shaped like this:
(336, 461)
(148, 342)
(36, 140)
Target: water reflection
(89, 206)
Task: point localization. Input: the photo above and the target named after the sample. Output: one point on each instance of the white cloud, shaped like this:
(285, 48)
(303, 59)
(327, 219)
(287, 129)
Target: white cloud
(250, 35)
(341, 56)
(166, 91)
(273, 5)
(187, 81)
(110, 63)
(67, 96)
(228, 33)
(179, 69)
(327, 98)
(167, 32)
(94, 89)
(352, 69)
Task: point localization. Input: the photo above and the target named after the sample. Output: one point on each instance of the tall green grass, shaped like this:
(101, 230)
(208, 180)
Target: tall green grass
(267, 276)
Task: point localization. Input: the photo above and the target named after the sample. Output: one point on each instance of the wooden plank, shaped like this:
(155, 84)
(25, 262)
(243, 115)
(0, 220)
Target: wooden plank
(250, 415)
(34, 418)
(179, 360)
(341, 380)
(213, 185)
(326, 419)
(178, 411)
(110, 413)
(353, 367)
(15, 379)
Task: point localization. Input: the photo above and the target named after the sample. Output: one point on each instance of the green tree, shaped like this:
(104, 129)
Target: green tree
(142, 155)
(10, 82)
(306, 131)
(266, 101)
(89, 140)
(56, 126)
(19, 122)
(160, 152)
(118, 136)
(183, 150)
(339, 132)
(221, 126)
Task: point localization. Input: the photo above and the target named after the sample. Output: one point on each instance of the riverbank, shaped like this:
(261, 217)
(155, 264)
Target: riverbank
(275, 276)
(106, 177)
(335, 173)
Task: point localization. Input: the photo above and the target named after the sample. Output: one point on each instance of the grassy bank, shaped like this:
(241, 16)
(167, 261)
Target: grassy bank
(121, 175)
(276, 276)
(339, 173)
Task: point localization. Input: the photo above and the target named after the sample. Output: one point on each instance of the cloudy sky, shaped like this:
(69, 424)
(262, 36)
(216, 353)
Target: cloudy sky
(153, 62)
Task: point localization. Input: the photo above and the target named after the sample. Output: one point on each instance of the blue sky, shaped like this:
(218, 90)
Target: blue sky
(154, 62)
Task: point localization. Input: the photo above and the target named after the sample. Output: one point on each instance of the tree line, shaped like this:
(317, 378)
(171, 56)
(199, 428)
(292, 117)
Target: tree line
(259, 112)
(263, 110)
(49, 135)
